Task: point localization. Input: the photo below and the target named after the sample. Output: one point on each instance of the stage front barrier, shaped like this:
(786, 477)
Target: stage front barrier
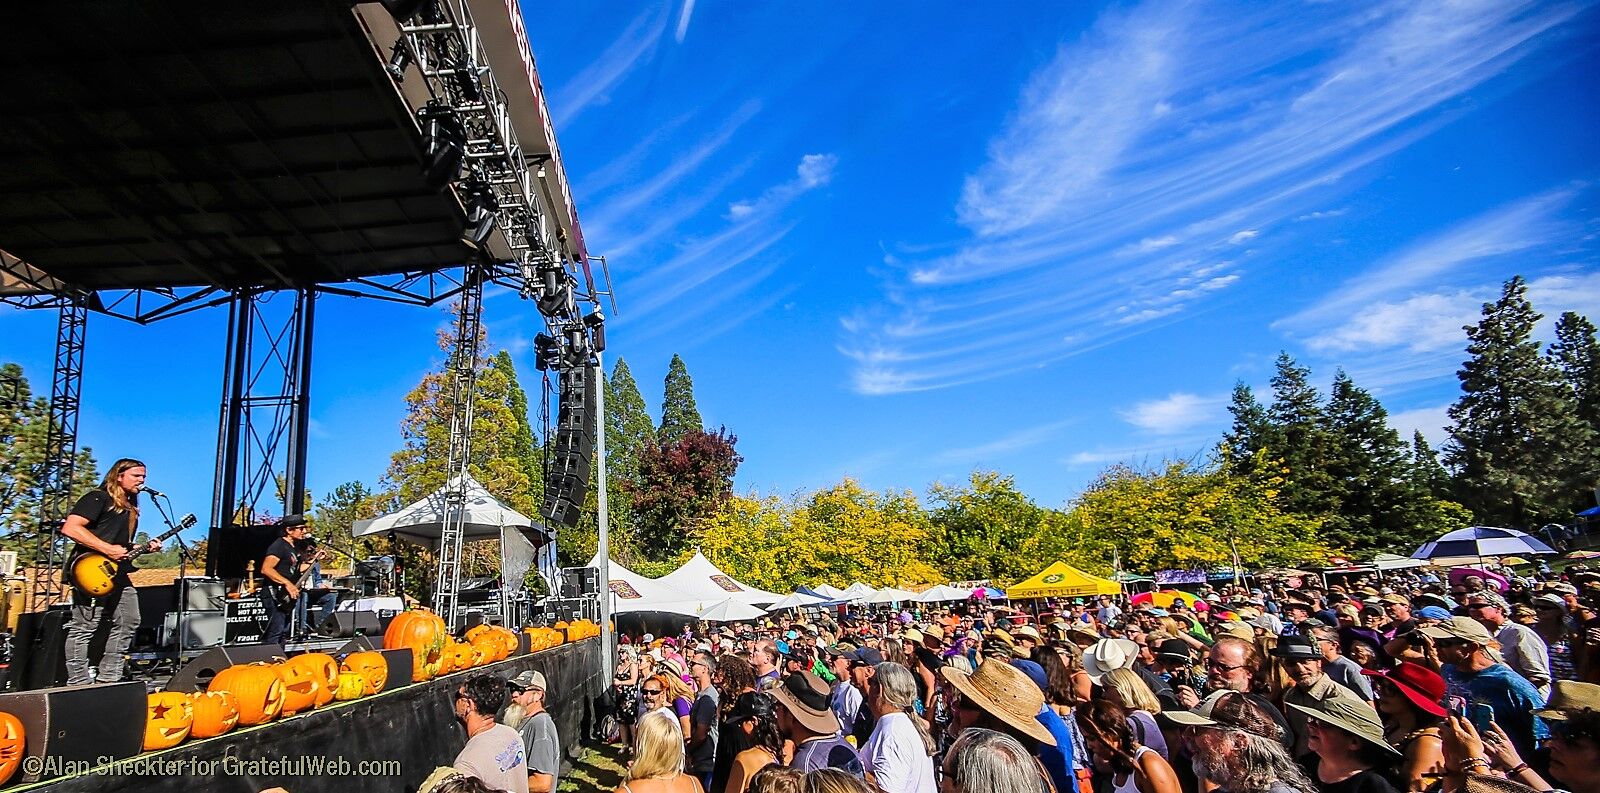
(389, 741)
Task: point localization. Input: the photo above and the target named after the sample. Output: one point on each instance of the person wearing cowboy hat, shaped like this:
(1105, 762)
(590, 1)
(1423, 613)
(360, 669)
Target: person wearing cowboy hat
(1313, 688)
(1027, 637)
(806, 718)
(1348, 750)
(998, 696)
(1462, 648)
(1239, 746)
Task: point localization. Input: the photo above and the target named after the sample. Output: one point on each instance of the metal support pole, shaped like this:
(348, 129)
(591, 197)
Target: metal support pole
(597, 373)
(60, 452)
(294, 489)
(464, 370)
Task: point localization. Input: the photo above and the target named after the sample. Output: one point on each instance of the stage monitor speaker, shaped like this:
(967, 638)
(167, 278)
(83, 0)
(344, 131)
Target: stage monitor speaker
(197, 674)
(359, 644)
(344, 624)
(39, 656)
(78, 724)
(562, 511)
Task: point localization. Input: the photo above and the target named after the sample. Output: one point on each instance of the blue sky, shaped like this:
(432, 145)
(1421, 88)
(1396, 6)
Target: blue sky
(899, 242)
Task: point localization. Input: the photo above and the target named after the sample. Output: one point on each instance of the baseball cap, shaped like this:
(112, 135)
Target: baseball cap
(1464, 629)
(527, 680)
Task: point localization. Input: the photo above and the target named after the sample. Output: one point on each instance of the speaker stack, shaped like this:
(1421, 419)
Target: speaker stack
(79, 725)
(567, 479)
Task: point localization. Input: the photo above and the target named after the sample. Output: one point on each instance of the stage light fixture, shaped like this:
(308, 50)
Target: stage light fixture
(545, 352)
(596, 322)
(481, 207)
(444, 144)
(399, 61)
(466, 78)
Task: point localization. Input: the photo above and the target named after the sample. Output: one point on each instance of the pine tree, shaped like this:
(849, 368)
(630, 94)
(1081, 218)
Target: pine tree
(1576, 355)
(1251, 431)
(628, 432)
(1370, 474)
(1427, 474)
(524, 444)
(679, 416)
(24, 423)
(1300, 438)
(628, 427)
(1517, 444)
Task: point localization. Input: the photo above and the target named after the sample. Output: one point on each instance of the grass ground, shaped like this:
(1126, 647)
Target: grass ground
(599, 769)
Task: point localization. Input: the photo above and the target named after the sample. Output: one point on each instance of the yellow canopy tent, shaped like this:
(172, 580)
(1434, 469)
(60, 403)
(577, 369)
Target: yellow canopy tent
(1062, 580)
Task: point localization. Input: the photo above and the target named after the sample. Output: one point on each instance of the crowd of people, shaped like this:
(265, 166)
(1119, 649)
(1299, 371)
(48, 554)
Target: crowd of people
(1454, 681)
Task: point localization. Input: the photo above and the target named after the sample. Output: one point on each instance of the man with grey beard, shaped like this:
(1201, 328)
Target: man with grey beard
(1239, 747)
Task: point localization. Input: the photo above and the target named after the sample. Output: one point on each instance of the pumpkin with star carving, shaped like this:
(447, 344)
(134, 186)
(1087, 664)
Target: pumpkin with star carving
(169, 716)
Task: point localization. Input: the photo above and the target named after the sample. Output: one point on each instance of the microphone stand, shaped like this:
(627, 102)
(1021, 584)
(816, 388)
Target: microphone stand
(181, 589)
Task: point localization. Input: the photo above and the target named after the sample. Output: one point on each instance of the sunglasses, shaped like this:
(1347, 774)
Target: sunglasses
(650, 692)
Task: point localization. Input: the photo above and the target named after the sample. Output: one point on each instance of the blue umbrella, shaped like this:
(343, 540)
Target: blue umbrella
(1482, 541)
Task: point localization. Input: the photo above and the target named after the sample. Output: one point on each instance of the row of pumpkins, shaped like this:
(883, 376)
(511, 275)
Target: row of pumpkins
(250, 694)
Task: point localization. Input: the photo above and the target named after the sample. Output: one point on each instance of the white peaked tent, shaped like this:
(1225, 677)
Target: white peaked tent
(942, 593)
(631, 592)
(730, 610)
(699, 579)
(794, 601)
(830, 592)
(889, 595)
(856, 591)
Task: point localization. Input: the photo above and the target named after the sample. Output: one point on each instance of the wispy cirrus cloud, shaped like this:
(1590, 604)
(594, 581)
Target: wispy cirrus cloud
(1160, 143)
(991, 451)
(1176, 413)
(636, 45)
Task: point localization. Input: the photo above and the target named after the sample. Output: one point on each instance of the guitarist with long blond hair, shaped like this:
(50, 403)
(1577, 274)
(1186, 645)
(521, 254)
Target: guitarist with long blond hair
(105, 520)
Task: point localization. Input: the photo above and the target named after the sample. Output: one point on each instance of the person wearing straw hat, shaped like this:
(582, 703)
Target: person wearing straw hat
(997, 696)
(806, 718)
(1349, 752)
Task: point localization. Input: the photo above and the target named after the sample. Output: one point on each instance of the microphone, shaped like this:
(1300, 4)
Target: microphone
(152, 491)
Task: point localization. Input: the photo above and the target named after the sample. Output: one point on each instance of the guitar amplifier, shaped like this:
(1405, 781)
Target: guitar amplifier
(200, 629)
(245, 620)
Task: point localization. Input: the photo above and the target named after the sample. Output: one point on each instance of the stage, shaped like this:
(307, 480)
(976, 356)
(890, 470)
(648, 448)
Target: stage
(388, 741)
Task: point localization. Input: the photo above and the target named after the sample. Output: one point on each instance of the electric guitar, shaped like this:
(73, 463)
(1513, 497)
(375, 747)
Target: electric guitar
(95, 574)
(280, 593)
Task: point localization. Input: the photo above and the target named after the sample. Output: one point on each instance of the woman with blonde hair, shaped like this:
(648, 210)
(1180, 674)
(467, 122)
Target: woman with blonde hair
(832, 780)
(1124, 688)
(658, 759)
(899, 755)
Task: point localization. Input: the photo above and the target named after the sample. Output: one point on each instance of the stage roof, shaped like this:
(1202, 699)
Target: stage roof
(175, 143)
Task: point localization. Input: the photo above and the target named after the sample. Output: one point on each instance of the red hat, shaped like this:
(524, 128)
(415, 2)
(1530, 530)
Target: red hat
(1423, 686)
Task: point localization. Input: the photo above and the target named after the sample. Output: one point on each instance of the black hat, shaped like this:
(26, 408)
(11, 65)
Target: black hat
(1174, 649)
(290, 521)
(1297, 648)
(865, 655)
(752, 705)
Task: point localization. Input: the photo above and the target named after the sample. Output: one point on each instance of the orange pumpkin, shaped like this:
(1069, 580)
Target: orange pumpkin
(460, 655)
(423, 633)
(300, 686)
(351, 685)
(325, 669)
(257, 688)
(12, 739)
(169, 716)
(215, 712)
(370, 665)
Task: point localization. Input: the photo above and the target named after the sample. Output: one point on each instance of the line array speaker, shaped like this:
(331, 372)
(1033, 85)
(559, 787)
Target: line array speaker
(567, 477)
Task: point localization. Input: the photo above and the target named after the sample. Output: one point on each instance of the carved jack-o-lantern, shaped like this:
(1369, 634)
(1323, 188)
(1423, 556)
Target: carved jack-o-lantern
(324, 668)
(169, 715)
(215, 712)
(257, 688)
(351, 685)
(300, 686)
(422, 632)
(460, 655)
(370, 665)
(12, 738)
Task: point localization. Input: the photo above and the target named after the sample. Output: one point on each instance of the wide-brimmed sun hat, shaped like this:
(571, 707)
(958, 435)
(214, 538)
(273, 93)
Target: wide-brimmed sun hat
(1423, 686)
(1464, 629)
(1568, 696)
(1109, 654)
(1352, 716)
(1004, 692)
(806, 697)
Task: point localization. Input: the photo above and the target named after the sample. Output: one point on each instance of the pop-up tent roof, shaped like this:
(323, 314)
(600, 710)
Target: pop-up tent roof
(422, 521)
(632, 592)
(827, 591)
(1062, 580)
(698, 578)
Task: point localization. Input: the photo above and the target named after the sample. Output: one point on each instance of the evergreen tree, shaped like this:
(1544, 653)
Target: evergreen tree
(24, 423)
(1428, 476)
(524, 444)
(1300, 439)
(628, 427)
(1251, 431)
(1517, 444)
(679, 416)
(1576, 355)
(1370, 475)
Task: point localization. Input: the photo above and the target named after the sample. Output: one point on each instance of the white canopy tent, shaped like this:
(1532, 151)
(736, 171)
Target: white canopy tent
(889, 595)
(856, 591)
(523, 543)
(699, 579)
(794, 601)
(830, 592)
(942, 592)
(730, 610)
(631, 592)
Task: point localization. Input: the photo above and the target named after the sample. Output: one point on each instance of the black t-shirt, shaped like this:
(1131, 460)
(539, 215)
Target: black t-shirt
(288, 559)
(1368, 781)
(105, 520)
